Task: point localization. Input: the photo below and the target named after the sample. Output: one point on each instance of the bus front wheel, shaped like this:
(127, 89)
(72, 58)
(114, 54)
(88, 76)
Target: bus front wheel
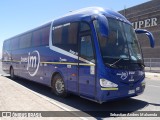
(58, 86)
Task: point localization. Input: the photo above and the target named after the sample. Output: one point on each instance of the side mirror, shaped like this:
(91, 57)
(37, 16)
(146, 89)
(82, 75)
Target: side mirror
(149, 34)
(102, 24)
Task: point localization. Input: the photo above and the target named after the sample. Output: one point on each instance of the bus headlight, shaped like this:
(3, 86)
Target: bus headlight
(107, 83)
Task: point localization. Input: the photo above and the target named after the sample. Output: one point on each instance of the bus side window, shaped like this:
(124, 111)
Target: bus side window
(25, 40)
(45, 35)
(57, 37)
(73, 37)
(66, 37)
(15, 43)
(41, 37)
(36, 40)
(7, 45)
(4, 45)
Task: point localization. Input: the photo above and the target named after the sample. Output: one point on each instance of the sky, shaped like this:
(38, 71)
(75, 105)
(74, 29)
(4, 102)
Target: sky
(18, 16)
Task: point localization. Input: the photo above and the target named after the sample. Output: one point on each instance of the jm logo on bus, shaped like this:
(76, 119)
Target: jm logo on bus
(33, 61)
(124, 75)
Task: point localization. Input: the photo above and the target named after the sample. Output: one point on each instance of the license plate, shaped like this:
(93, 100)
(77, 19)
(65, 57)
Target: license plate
(131, 91)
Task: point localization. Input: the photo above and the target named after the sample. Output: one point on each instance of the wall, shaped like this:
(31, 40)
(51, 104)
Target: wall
(146, 16)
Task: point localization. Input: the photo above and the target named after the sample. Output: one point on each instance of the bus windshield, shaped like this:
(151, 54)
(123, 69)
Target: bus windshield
(121, 45)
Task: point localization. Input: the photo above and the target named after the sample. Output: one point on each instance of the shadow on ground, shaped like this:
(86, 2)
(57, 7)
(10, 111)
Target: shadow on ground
(89, 108)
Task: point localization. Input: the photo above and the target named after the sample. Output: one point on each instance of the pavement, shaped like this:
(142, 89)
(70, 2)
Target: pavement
(15, 97)
(152, 76)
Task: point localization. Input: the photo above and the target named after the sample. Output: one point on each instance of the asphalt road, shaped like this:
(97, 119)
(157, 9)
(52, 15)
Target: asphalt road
(148, 101)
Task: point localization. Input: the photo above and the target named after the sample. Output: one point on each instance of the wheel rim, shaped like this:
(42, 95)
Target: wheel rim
(59, 85)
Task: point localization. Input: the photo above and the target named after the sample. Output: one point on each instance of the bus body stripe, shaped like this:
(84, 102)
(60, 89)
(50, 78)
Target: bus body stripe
(68, 63)
(64, 52)
(109, 88)
(61, 63)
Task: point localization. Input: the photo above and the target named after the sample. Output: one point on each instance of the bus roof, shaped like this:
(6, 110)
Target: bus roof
(77, 15)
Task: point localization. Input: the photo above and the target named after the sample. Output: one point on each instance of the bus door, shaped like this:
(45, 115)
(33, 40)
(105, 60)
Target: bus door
(86, 68)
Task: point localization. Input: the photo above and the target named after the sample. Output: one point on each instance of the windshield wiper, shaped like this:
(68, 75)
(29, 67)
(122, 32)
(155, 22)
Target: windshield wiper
(140, 64)
(110, 65)
(114, 64)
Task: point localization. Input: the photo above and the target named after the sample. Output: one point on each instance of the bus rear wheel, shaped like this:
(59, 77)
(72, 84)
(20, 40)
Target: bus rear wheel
(58, 86)
(12, 73)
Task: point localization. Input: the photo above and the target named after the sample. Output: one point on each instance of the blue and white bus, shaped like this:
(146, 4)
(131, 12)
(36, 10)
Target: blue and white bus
(92, 52)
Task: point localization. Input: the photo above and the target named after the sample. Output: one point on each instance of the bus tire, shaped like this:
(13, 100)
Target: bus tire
(12, 73)
(58, 86)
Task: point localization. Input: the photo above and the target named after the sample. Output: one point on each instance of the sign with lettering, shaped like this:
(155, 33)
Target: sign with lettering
(33, 61)
(145, 23)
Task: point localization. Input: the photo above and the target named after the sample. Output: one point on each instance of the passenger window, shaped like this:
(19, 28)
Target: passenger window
(73, 31)
(57, 36)
(4, 45)
(41, 37)
(45, 35)
(65, 37)
(36, 38)
(86, 49)
(25, 40)
(7, 45)
(15, 43)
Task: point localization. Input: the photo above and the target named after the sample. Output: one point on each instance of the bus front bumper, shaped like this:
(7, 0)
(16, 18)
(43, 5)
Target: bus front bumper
(121, 92)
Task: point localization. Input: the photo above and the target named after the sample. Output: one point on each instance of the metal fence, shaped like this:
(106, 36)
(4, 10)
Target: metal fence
(152, 64)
